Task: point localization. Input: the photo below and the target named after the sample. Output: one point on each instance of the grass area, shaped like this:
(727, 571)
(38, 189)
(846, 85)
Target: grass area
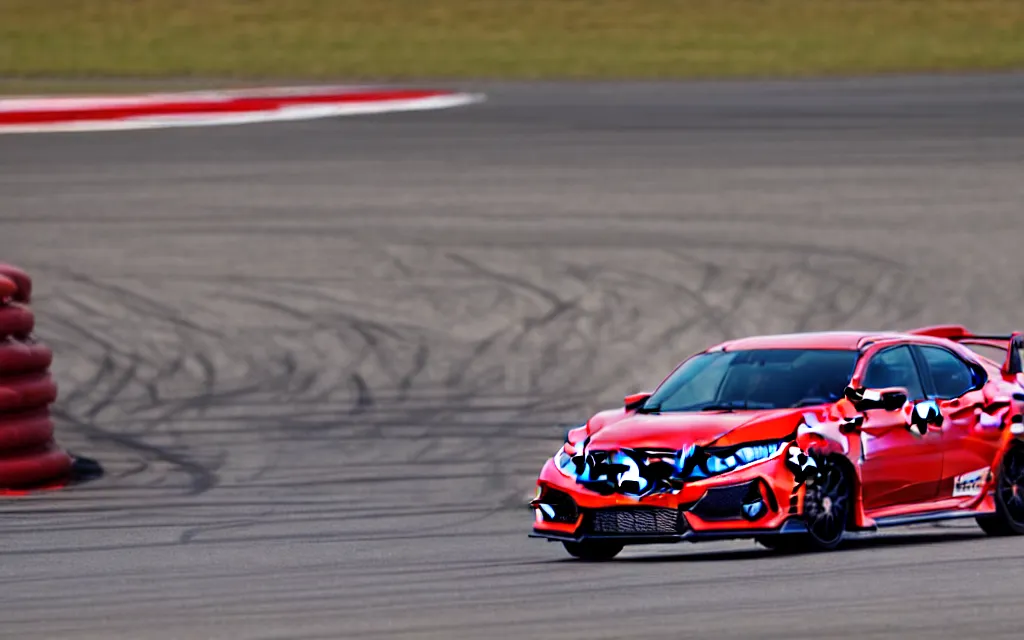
(405, 39)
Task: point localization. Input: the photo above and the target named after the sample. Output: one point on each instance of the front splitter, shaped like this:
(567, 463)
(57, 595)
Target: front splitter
(791, 526)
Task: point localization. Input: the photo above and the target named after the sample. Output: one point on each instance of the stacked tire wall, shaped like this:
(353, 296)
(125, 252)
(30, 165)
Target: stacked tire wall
(29, 455)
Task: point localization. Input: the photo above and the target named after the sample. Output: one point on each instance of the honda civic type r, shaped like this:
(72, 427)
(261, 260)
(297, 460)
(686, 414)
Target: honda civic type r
(795, 439)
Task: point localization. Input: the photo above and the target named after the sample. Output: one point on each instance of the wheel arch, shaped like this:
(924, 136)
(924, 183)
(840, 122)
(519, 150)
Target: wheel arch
(855, 516)
(1014, 422)
(829, 449)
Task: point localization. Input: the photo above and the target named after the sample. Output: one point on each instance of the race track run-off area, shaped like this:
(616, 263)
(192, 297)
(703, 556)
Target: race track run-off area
(322, 361)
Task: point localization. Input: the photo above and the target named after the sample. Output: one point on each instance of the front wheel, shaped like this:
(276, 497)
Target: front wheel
(1008, 519)
(593, 550)
(827, 506)
(827, 500)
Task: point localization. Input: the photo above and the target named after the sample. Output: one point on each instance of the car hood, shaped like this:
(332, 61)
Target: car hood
(680, 430)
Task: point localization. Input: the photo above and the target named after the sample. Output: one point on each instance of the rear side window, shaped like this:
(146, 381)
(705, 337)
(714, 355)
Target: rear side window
(894, 367)
(951, 377)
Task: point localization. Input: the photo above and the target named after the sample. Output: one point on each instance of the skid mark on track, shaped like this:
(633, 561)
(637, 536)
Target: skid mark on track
(241, 410)
(225, 380)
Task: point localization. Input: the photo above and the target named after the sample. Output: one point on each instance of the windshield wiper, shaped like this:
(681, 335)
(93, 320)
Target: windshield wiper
(653, 409)
(811, 402)
(725, 406)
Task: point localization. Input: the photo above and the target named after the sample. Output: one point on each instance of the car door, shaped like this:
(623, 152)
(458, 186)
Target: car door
(968, 446)
(898, 467)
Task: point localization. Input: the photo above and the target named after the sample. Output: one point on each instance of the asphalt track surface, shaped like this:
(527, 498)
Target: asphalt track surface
(322, 361)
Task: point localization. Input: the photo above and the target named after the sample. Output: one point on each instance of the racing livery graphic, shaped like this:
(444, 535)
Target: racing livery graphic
(795, 439)
(969, 484)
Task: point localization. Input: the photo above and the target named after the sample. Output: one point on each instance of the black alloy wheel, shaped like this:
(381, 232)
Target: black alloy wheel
(827, 500)
(1008, 519)
(827, 506)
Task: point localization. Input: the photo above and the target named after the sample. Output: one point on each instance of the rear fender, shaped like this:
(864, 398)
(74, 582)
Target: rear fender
(1012, 429)
(1013, 422)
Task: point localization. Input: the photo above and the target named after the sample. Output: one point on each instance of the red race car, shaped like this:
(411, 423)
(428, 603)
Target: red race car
(792, 440)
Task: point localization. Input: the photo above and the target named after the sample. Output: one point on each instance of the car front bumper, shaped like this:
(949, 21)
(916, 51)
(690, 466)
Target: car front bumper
(761, 499)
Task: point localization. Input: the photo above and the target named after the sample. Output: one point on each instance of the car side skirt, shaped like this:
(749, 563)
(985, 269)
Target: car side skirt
(918, 518)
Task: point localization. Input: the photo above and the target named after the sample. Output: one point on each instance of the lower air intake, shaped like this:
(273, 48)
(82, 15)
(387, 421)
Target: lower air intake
(723, 503)
(563, 508)
(637, 521)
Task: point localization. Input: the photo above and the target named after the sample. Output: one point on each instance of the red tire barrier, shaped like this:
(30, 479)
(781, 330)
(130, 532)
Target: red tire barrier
(30, 458)
(8, 288)
(16, 321)
(20, 278)
(26, 392)
(24, 357)
(34, 467)
(29, 430)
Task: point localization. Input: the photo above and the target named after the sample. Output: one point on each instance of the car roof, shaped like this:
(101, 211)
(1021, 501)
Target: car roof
(859, 340)
(840, 340)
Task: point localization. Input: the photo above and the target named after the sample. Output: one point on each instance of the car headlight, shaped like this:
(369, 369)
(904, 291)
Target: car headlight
(564, 463)
(569, 462)
(638, 472)
(717, 462)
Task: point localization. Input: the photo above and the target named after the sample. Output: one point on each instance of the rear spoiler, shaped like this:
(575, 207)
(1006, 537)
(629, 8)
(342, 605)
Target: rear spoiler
(1013, 343)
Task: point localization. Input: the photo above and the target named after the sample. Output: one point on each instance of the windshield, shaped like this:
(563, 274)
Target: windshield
(755, 379)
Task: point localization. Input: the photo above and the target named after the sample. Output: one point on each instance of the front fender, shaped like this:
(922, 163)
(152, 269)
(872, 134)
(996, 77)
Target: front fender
(833, 435)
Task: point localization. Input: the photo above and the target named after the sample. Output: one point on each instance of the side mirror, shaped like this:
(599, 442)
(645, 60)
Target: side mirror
(636, 400)
(888, 399)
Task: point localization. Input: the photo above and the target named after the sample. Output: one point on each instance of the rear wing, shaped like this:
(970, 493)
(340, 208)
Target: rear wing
(1012, 343)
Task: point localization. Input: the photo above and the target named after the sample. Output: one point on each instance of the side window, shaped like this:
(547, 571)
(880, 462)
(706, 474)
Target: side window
(951, 377)
(894, 367)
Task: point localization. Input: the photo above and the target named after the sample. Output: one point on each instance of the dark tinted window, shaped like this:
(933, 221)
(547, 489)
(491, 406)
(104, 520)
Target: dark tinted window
(894, 368)
(951, 377)
(756, 379)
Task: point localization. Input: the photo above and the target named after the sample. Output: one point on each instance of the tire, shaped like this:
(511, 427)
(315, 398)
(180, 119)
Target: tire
(593, 550)
(783, 543)
(827, 500)
(1008, 519)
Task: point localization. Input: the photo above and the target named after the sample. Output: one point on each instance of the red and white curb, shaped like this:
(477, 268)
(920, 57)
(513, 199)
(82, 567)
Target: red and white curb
(211, 108)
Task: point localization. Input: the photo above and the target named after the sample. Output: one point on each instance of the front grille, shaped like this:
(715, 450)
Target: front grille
(655, 469)
(637, 520)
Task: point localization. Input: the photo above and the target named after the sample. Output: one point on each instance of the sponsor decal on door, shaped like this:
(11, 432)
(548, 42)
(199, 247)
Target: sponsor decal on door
(969, 484)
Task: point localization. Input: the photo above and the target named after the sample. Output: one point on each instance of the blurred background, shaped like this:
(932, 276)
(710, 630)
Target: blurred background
(321, 362)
